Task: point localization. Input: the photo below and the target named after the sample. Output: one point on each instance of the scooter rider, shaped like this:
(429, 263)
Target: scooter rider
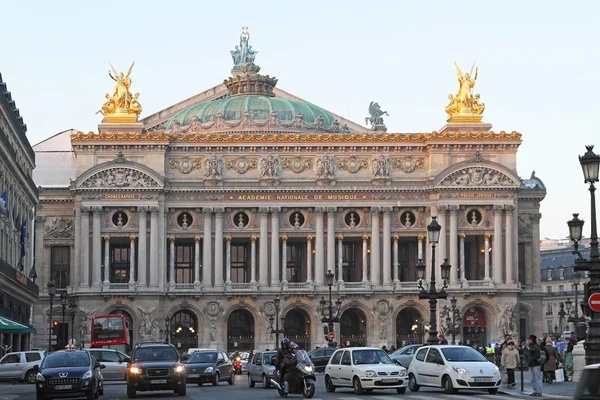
(289, 360)
(285, 349)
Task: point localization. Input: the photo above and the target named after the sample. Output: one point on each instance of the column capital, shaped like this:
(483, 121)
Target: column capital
(284, 239)
(132, 239)
(172, 240)
(197, 239)
(442, 208)
(275, 209)
(319, 211)
(365, 238)
(309, 238)
(253, 239)
(376, 210)
(207, 210)
(154, 209)
(142, 209)
(387, 210)
(420, 238)
(331, 209)
(509, 208)
(228, 239)
(453, 209)
(498, 208)
(219, 210)
(462, 237)
(96, 209)
(41, 218)
(107, 239)
(487, 236)
(340, 238)
(85, 209)
(263, 211)
(535, 218)
(396, 238)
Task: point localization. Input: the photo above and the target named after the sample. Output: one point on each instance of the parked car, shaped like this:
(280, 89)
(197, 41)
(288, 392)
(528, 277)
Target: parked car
(320, 358)
(364, 368)
(453, 368)
(405, 354)
(69, 373)
(245, 356)
(155, 366)
(260, 368)
(588, 387)
(18, 366)
(115, 362)
(209, 366)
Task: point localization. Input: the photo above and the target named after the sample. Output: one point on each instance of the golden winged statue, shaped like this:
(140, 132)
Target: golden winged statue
(122, 101)
(465, 102)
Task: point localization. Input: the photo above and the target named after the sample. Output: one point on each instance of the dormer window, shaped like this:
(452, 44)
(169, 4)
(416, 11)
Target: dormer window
(549, 274)
(561, 273)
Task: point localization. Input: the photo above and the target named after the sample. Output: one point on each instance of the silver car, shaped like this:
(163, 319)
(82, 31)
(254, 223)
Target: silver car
(114, 360)
(405, 355)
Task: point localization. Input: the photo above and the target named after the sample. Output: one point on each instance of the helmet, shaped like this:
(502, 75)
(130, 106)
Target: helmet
(294, 346)
(285, 343)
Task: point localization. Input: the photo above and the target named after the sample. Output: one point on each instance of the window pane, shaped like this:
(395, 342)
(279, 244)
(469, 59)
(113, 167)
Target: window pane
(184, 263)
(60, 265)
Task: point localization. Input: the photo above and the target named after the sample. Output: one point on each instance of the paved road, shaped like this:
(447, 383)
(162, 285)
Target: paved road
(241, 391)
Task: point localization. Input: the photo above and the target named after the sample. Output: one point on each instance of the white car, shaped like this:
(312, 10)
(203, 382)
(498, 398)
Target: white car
(452, 368)
(20, 365)
(364, 369)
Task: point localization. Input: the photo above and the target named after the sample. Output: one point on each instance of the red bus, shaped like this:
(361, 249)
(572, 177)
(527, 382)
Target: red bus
(110, 331)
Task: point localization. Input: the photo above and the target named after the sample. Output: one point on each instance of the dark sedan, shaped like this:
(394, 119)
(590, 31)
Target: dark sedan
(67, 374)
(209, 366)
(320, 358)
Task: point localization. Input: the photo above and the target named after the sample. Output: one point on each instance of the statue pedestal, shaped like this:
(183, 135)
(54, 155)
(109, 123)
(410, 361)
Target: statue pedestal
(212, 344)
(380, 128)
(121, 118)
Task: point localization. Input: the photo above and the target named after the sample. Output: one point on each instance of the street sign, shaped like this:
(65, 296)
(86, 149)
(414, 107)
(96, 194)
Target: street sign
(54, 336)
(330, 336)
(594, 302)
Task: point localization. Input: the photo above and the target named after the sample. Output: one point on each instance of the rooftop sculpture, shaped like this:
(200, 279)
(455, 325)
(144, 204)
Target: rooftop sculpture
(122, 105)
(465, 106)
(375, 117)
(243, 54)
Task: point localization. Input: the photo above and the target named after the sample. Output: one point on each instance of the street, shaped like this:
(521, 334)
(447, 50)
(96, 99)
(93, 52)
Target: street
(241, 391)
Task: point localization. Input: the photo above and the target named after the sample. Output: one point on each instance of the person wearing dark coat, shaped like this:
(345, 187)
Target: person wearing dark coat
(551, 361)
(535, 352)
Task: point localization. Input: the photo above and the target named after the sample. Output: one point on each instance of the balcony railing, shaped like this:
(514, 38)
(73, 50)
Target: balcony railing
(184, 286)
(17, 277)
(119, 286)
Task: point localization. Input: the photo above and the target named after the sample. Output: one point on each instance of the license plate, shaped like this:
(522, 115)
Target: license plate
(484, 380)
(389, 380)
(63, 387)
(158, 381)
(194, 376)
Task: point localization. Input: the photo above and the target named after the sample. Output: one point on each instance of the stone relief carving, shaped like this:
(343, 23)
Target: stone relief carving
(185, 165)
(213, 330)
(381, 167)
(213, 168)
(382, 307)
(477, 176)
(213, 308)
(296, 164)
(352, 164)
(400, 196)
(269, 308)
(269, 167)
(444, 313)
(383, 325)
(194, 197)
(119, 178)
(524, 225)
(241, 164)
(149, 325)
(86, 323)
(325, 170)
(408, 164)
(59, 228)
(508, 321)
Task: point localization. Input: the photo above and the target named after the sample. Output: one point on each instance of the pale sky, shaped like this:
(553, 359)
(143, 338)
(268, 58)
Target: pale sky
(538, 64)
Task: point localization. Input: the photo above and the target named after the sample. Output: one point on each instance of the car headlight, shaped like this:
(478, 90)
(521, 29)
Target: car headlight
(403, 372)
(209, 370)
(179, 369)
(460, 370)
(135, 370)
(370, 374)
(496, 371)
(39, 377)
(308, 368)
(87, 375)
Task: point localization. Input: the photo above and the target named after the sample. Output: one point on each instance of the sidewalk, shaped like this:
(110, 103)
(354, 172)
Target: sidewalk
(562, 390)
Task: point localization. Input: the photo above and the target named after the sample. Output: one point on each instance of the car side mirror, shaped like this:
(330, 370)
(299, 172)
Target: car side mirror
(127, 359)
(102, 366)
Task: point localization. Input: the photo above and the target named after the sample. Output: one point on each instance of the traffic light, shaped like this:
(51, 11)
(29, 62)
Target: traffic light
(55, 323)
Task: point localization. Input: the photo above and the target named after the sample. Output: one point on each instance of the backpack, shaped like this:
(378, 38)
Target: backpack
(543, 355)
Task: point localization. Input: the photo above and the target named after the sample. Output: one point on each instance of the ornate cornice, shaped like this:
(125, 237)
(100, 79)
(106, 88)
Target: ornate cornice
(120, 136)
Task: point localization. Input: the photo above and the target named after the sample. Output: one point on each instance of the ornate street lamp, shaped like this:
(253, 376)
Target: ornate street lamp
(63, 304)
(276, 331)
(575, 232)
(72, 308)
(578, 322)
(167, 329)
(325, 307)
(51, 293)
(561, 318)
(433, 232)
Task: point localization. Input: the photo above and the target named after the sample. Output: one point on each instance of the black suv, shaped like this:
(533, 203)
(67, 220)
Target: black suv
(155, 366)
(68, 373)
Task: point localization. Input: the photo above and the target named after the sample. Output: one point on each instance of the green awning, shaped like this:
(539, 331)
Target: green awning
(9, 326)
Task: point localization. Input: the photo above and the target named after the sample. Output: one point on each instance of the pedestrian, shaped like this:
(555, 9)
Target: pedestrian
(442, 340)
(569, 358)
(384, 348)
(551, 361)
(510, 361)
(535, 358)
(392, 349)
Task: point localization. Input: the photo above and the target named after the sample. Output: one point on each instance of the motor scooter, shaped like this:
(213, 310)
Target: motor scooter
(237, 366)
(300, 378)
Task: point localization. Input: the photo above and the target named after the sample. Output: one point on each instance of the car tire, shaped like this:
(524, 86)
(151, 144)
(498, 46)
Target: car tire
(231, 379)
(329, 385)
(358, 390)
(39, 396)
(251, 382)
(493, 391)
(131, 392)
(448, 386)
(30, 377)
(265, 382)
(182, 390)
(215, 382)
(401, 390)
(412, 383)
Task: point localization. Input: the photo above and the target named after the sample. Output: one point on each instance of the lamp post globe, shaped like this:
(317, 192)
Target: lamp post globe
(590, 164)
(433, 231)
(575, 227)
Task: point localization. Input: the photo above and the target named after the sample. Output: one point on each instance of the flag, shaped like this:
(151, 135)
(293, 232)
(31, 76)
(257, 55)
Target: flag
(4, 203)
(32, 273)
(12, 223)
(23, 236)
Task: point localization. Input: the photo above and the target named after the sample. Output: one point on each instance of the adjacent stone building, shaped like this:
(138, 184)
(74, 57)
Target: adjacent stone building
(203, 213)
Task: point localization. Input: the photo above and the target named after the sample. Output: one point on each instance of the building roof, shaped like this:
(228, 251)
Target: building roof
(534, 182)
(56, 161)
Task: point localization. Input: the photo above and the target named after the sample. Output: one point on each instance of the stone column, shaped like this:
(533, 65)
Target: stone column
(228, 263)
(253, 262)
(509, 244)
(284, 280)
(453, 244)
(462, 259)
(441, 250)
(396, 280)
(207, 249)
(197, 284)
(420, 247)
(535, 247)
(375, 266)
(107, 261)
(387, 248)
(319, 248)
(486, 257)
(275, 270)
(97, 249)
(161, 262)
(497, 247)
(143, 232)
(218, 247)
(263, 253)
(365, 260)
(85, 247)
(309, 257)
(331, 239)
(132, 263)
(172, 262)
(340, 262)
(77, 264)
(154, 233)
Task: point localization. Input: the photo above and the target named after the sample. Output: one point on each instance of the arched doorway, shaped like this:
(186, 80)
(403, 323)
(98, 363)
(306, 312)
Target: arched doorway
(409, 327)
(474, 327)
(184, 330)
(240, 331)
(297, 328)
(353, 328)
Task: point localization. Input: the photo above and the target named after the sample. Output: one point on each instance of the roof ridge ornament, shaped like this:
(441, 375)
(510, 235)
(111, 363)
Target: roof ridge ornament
(243, 54)
(376, 117)
(465, 106)
(120, 159)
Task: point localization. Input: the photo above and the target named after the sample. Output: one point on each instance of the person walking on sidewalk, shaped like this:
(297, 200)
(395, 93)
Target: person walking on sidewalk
(551, 361)
(510, 361)
(535, 362)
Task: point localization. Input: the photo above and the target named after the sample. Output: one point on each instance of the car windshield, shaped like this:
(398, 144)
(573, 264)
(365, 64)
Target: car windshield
(203, 357)
(462, 354)
(588, 387)
(361, 357)
(64, 359)
(156, 354)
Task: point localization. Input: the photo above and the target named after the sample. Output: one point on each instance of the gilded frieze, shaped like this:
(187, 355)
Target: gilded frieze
(185, 165)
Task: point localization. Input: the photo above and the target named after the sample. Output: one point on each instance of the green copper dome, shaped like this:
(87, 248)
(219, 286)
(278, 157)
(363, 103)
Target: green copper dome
(259, 108)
